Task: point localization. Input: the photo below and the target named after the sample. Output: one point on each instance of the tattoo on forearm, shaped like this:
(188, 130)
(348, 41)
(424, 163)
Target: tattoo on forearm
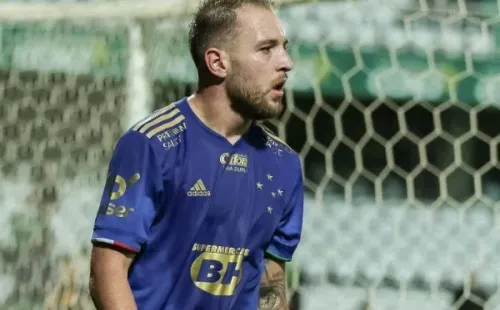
(273, 292)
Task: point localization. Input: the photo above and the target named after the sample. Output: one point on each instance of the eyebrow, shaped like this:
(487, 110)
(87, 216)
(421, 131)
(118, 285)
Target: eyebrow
(273, 42)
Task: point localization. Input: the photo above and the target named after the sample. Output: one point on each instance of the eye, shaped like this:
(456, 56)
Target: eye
(266, 49)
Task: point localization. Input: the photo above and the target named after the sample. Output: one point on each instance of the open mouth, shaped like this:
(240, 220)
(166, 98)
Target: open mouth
(279, 86)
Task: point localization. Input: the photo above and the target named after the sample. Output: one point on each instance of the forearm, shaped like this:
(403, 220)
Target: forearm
(110, 290)
(273, 288)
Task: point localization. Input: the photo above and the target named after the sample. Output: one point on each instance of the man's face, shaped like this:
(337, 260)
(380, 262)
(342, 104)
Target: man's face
(259, 63)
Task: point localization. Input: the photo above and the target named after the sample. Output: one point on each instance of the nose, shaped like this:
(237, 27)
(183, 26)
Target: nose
(286, 63)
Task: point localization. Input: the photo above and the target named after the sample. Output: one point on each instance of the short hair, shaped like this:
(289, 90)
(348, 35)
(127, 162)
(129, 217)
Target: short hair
(214, 24)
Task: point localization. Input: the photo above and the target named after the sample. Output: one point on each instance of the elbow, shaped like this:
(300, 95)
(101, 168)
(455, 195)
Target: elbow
(95, 292)
(92, 288)
(91, 284)
(96, 287)
(92, 278)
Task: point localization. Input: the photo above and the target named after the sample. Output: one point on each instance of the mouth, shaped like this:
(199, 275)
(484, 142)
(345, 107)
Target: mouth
(279, 86)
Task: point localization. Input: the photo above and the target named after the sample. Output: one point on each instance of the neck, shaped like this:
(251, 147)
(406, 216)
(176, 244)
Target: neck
(213, 107)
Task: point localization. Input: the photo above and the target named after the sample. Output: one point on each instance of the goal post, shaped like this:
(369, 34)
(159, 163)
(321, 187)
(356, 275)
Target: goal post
(393, 107)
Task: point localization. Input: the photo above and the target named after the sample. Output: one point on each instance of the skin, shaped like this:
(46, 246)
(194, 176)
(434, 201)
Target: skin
(248, 69)
(109, 287)
(245, 72)
(272, 295)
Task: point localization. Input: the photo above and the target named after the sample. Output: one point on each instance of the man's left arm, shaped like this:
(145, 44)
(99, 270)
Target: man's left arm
(273, 293)
(273, 288)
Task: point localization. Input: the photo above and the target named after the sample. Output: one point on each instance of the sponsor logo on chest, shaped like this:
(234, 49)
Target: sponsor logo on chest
(234, 162)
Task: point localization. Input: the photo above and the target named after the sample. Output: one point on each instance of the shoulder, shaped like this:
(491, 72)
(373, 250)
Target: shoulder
(276, 147)
(162, 129)
(162, 123)
(160, 132)
(279, 152)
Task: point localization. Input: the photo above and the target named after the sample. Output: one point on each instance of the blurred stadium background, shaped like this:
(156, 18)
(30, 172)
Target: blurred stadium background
(393, 105)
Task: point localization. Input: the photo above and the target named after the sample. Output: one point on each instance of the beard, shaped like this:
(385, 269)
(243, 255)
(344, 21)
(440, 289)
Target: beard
(250, 101)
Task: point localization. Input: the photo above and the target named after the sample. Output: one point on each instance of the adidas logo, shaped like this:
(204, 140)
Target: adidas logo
(198, 189)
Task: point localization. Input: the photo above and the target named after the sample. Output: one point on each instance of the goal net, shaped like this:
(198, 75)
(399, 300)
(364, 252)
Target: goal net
(392, 106)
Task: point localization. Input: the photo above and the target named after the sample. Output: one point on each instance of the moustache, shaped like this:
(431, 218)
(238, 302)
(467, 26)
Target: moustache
(278, 83)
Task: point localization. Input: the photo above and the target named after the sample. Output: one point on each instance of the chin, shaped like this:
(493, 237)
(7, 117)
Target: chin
(272, 109)
(275, 104)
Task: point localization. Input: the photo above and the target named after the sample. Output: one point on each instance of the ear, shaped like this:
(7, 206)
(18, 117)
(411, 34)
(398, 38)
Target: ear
(217, 62)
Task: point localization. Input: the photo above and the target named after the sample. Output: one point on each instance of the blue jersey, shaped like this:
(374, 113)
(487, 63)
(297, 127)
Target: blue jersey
(199, 211)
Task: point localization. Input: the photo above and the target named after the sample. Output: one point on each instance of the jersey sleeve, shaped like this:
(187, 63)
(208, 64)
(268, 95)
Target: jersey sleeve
(287, 235)
(131, 194)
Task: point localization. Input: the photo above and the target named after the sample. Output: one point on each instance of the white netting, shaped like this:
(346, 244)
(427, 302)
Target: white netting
(391, 104)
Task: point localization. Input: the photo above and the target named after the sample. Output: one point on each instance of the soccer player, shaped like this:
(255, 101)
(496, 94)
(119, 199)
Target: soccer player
(203, 206)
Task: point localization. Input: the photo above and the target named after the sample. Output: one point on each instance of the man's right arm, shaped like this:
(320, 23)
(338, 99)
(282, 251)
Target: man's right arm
(108, 284)
(122, 225)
